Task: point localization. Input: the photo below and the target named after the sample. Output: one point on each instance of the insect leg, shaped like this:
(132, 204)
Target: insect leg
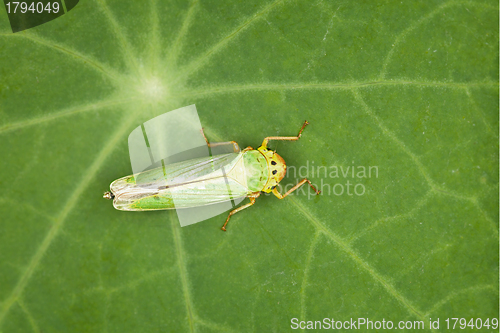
(285, 138)
(302, 182)
(236, 148)
(234, 211)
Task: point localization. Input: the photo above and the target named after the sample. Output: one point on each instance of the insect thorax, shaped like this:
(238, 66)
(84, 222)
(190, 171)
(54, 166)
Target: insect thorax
(256, 170)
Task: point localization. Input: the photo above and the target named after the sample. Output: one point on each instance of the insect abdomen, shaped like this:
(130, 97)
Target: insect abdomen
(153, 202)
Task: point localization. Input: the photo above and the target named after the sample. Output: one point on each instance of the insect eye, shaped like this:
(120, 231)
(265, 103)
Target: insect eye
(273, 162)
(274, 172)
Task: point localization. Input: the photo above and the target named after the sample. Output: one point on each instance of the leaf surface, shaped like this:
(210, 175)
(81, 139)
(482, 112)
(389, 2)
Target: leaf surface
(403, 93)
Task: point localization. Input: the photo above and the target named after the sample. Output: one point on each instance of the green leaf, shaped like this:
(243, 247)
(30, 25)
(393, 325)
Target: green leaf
(409, 89)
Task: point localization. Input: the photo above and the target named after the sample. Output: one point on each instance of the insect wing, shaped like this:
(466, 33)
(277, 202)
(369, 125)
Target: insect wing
(168, 138)
(194, 174)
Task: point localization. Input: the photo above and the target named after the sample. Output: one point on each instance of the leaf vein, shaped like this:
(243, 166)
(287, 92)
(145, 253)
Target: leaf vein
(176, 47)
(183, 273)
(154, 40)
(65, 112)
(344, 246)
(455, 294)
(86, 60)
(28, 314)
(379, 222)
(432, 184)
(303, 287)
(326, 86)
(196, 64)
(418, 22)
(58, 224)
(117, 30)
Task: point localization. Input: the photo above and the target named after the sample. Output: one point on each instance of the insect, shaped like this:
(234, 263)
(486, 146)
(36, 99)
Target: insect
(207, 180)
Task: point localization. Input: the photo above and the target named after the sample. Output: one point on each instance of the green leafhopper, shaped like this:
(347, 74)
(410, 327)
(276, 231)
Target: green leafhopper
(198, 180)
